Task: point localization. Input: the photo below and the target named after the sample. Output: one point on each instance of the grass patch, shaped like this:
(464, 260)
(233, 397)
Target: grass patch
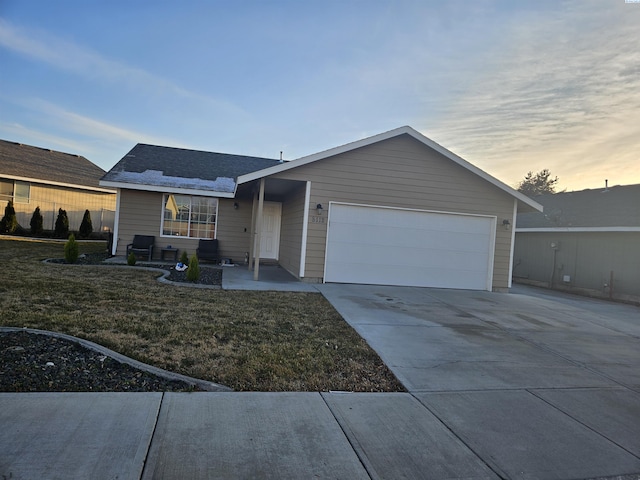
(249, 341)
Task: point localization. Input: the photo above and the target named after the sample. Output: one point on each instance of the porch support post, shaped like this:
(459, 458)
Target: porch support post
(256, 268)
(252, 237)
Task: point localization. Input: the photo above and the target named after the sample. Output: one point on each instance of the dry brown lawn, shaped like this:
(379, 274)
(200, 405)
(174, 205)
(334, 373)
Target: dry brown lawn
(251, 341)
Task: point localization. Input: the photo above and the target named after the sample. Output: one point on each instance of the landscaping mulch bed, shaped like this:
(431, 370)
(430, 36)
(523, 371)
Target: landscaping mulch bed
(209, 275)
(31, 362)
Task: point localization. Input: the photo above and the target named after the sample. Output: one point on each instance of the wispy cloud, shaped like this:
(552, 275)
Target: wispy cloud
(560, 91)
(71, 132)
(71, 57)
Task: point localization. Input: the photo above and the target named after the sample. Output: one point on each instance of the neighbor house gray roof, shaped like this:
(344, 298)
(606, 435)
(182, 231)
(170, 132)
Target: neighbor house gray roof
(617, 206)
(178, 169)
(35, 164)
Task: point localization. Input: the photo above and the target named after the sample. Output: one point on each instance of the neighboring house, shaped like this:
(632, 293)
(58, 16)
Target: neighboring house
(586, 241)
(37, 177)
(395, 209)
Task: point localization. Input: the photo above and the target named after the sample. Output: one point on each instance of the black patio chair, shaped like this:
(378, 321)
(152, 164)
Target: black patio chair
(208, 250)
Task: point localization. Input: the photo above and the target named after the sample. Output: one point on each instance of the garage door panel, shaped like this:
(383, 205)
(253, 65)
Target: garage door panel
(385, 236)
(391, 246)
(346, 252)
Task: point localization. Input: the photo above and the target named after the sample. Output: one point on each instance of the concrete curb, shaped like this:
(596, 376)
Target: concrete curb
(196, 382)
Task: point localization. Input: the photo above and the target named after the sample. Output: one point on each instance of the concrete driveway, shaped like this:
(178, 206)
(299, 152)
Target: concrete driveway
(529, 385)
(537, 385)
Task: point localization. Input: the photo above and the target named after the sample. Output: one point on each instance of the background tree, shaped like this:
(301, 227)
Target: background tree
(37, 222)
(9, 222)
(62, 224)
(86, 227)
(538, 183)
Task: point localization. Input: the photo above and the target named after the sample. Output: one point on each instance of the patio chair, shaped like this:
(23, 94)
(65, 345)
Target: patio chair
(208, 250)
(142, 244)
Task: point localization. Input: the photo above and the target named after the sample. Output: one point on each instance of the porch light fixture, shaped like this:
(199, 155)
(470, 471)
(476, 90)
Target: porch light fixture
(319, 209)
(506, 223)
(235, 205)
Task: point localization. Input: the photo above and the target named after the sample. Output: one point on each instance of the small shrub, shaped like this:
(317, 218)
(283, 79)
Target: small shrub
(184, 258)
(131, 259)
(71, 249)
(86, 227)
(37, 223)
(9, 222)
(193, 272)
(62, 224)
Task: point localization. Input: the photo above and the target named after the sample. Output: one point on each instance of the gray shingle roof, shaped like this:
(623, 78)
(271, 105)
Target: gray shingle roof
(18, 160)
(181, 168)
(617, 206)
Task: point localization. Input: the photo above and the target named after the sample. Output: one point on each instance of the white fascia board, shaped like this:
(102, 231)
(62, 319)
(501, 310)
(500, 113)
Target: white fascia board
(577, 229)
(179, 191)
(385, 136)
(58, 184)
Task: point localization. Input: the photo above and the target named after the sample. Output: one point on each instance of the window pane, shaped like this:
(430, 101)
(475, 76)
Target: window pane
(23, 191)
(6, 190)
(186, 216)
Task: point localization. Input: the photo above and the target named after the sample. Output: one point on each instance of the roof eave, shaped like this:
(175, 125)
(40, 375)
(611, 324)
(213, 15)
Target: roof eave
(58, 184)
(167, 189)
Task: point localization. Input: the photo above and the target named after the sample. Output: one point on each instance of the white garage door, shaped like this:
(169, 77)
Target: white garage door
(390, 246)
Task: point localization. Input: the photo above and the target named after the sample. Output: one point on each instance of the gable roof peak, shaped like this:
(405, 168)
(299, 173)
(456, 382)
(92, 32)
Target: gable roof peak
(522, 199)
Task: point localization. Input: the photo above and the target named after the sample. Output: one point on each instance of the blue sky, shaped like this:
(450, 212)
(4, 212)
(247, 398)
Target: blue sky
(510, 86)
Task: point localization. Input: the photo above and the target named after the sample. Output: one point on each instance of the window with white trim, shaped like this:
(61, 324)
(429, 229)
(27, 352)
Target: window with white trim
(22, 192)
(189, 216)
(6, 190)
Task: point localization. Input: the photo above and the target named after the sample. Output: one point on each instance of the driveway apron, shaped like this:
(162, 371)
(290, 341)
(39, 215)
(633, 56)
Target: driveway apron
(535, 386)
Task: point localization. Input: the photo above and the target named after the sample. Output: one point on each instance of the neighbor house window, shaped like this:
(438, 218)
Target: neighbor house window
(187, 216)
(22, 192)
(6, 190)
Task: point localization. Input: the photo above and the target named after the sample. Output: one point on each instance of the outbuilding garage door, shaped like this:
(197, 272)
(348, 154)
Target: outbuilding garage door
(390, 246)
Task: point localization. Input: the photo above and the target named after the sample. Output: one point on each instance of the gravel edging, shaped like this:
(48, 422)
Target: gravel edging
(202, 385)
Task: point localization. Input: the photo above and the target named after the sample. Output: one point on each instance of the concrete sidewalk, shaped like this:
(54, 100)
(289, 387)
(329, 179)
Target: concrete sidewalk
(501, 386)
(227, 435)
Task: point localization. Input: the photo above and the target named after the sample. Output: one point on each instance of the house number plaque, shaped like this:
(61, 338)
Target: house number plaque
(317, 219)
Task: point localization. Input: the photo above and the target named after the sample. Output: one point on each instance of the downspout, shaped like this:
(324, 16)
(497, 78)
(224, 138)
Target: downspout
(256, 269)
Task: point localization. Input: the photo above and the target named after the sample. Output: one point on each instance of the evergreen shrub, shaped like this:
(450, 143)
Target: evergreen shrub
(37, 223)
(86, 227)
(71, 249)
(193, 272)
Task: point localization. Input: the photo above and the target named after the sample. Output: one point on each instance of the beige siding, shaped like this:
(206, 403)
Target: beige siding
(141, 213)
(291, 230)
(75, 201)
(402, 172)
(234, 228)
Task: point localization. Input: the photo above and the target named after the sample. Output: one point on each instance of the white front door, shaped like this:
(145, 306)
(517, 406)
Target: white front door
(270, 239)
